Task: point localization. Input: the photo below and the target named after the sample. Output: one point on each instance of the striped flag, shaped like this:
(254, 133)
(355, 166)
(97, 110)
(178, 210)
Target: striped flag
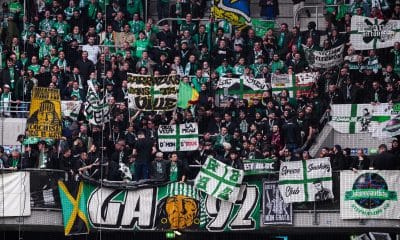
(97, 111)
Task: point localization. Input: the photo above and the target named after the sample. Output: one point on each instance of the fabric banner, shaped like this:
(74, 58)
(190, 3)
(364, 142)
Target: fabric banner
(236, 12)
(372, 33)
(390, 128)
(258, 166)
(297, 85)
(44, 188)
(359, 118)
(149, 93)
(242, 88)
(369, 194)
(45, 113)
(306, 181)
(179, 137)
(73, 203)
(243, 215)
(275, 210)
(71, 109)
(15, 194)
(219, 180)
(261, 26)
(97, 111)
(324, 59)
(173, 206)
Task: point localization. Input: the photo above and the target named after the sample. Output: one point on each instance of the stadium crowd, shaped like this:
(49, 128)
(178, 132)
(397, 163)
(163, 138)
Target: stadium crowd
(63, 44)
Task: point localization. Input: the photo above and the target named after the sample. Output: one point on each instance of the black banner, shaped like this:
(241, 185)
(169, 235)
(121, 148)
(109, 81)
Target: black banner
(275, 210)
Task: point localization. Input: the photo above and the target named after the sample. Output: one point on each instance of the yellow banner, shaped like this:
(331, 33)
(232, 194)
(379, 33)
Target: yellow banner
(45, 113)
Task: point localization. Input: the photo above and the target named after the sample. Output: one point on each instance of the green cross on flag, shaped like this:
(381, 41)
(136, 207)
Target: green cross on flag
(306, 181)
(179, 137)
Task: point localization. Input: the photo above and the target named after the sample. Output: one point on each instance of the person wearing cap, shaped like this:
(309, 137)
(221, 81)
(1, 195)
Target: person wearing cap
(158, 170)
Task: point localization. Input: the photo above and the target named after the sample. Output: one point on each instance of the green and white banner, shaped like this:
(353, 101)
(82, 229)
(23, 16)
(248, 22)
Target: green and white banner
(369, 194)
(173, 206)
(359, 118)
(179, 137)
(372, 33)
(258, 166)
(219, 180)
(306, 181)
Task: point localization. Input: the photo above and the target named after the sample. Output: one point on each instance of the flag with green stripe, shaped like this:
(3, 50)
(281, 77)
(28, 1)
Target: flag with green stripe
(359, 118)
(179, 137)
(372, 33)
(97, 111)
(219, 180)
(306, 181)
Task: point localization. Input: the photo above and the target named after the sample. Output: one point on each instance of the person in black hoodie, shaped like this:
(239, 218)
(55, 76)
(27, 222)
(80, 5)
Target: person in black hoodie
(338, 160)
(142, 164)
(233, 160)
(360, 162)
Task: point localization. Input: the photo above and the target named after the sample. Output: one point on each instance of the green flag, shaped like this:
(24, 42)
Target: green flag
(186, 96)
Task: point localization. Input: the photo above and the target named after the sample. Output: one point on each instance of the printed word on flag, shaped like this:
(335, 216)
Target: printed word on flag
(372, 33)
(258, 166)
(369, 194)
(149, 93)
(219, 180)
(179, 137)
(45, 113)
(306, 181)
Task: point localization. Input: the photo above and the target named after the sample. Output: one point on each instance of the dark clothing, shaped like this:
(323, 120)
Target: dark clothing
(338, 162)
(159, 170)
(385, 161)
(361, 164)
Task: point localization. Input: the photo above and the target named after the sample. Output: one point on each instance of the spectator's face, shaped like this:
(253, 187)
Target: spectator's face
(174, 157)
(67, 153)
(224, 131)
(375, 85)
(275, 129)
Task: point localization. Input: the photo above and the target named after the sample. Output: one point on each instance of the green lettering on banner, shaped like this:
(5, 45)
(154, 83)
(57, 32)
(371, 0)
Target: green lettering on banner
(212, 165)
(235, 175)
(225, 193)
(202, 183)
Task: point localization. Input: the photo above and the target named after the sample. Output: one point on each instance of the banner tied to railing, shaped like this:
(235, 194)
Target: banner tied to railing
(45, 113)
(179, 137)
(297, 85)
(242, 87)
(306, 181)
(150, 93)
(258, 166)
(372, 33)
(275, 210)
(369, 194)
(173, 206)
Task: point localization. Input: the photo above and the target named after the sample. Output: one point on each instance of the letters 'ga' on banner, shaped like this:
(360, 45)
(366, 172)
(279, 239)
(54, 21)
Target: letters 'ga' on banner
(297, 85)
(324, 59)
(237, 12)
(275, 210)
(219, 180)
(359, 118)
(45, 113)
(149, 93)
(179, 137)
(369, 194)
(306, 181)
(15, 194)
(372, 33)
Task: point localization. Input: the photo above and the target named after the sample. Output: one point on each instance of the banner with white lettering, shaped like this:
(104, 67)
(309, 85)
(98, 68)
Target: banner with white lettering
(258, 166)
(372, 33)
(275, 210)
(325, 58)
(369, 194)
(172, 206)
(179, 137)
(150, 93)
(306, 181)
(219, 180)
